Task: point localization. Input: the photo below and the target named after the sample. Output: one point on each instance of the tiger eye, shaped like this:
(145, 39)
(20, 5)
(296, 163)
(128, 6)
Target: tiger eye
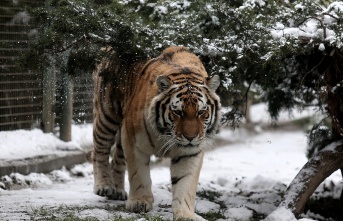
(201, 112)
(178, 112)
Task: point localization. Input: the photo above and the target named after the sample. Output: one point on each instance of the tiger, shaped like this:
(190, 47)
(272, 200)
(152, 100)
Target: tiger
(165, 107)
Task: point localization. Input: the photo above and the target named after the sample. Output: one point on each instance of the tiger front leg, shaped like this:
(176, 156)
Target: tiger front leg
(185, 172)
(140, 195)
(138, 165)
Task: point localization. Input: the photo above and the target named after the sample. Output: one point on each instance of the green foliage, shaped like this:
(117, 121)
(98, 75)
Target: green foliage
(329, 207)
(69, 213)
(272, 47)
(320, 136)
(213, 215)
(212, 196)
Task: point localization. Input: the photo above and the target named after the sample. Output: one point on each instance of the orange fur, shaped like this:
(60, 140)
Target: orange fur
(165, 107)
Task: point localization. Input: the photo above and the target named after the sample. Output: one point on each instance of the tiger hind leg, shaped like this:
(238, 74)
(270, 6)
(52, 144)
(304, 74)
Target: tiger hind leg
(104, 183)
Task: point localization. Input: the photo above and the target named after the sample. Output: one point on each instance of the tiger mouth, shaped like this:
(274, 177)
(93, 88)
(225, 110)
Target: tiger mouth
(189, 145)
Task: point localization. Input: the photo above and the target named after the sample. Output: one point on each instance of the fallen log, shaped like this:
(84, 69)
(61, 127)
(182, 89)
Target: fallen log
(313, 173)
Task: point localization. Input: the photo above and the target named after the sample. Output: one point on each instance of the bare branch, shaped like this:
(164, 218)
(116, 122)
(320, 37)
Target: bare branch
(331, 15)
(316, 170)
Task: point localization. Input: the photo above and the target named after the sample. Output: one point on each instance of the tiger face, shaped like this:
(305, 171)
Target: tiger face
(188, 115)
(186, 110)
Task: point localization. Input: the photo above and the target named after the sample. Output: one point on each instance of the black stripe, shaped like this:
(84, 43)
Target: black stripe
(120, 155)
(197, 82)
(197, 74)
(119, 110)
(198, 94)
(149, 137)
(177, 159)
(104, 138)
(215, 108)
(109, 118)
(147, 65)
(170, 92)
(97, 143)
(119, 161)
(164, 108)
(101, 130)
(189, 72)
(102, 104)
(186, 70)
(108, 129)
(196, 87)
(187, 81)
(168, 56)
(103, 153)
(157, 113)
(118, 171)
(181, 81)
(181, 94)
(175, 180)
(140, 186)
(211, 111)
(187, 205)
(100, 139)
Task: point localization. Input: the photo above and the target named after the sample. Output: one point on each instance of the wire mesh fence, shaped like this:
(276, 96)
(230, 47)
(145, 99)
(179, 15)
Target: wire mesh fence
(21, 92)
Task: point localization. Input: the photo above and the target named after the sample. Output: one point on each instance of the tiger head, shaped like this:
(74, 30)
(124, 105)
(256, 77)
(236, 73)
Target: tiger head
(186, 111)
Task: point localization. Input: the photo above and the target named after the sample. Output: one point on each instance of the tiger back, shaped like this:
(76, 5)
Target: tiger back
(166, 107)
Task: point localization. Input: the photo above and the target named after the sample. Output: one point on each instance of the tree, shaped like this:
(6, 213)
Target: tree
(290, 53)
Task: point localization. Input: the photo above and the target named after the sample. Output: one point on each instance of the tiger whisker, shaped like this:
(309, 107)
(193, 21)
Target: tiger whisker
(210, 143)
(167, 146)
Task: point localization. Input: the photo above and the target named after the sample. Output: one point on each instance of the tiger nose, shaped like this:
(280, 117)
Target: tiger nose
(189, 138)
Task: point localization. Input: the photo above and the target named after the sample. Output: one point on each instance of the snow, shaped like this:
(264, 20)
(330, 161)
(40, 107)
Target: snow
(299, 7)
(242, 213)
(319, 28)
(321, 47)
(283, 214)
(336, 7)
(23, 143)
(260, 114)
(248, 170)
(332, 146)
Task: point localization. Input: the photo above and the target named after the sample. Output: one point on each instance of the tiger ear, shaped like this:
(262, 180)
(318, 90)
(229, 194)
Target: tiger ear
(163, 83)
(213, 82)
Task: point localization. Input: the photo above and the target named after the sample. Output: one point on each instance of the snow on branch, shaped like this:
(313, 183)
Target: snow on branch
(320, 27)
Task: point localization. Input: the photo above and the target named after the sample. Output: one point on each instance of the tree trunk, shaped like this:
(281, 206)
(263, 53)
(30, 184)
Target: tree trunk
(48, 120)
(334, 79)
(316, 170)
(66, 108)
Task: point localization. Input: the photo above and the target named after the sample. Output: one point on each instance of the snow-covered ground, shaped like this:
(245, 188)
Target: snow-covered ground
(21, 144)
(243, 178)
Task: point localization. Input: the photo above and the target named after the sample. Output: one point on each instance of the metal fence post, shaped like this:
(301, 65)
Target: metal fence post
(66, 107)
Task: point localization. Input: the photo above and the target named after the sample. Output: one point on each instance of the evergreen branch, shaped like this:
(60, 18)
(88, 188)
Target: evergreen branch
(67, 47)
(312, 69)
(331, 15)
(83, 38)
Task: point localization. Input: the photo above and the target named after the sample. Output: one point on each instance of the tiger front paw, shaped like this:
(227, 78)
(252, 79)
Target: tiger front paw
(110, 192)
(183, 216)
(138, 205)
